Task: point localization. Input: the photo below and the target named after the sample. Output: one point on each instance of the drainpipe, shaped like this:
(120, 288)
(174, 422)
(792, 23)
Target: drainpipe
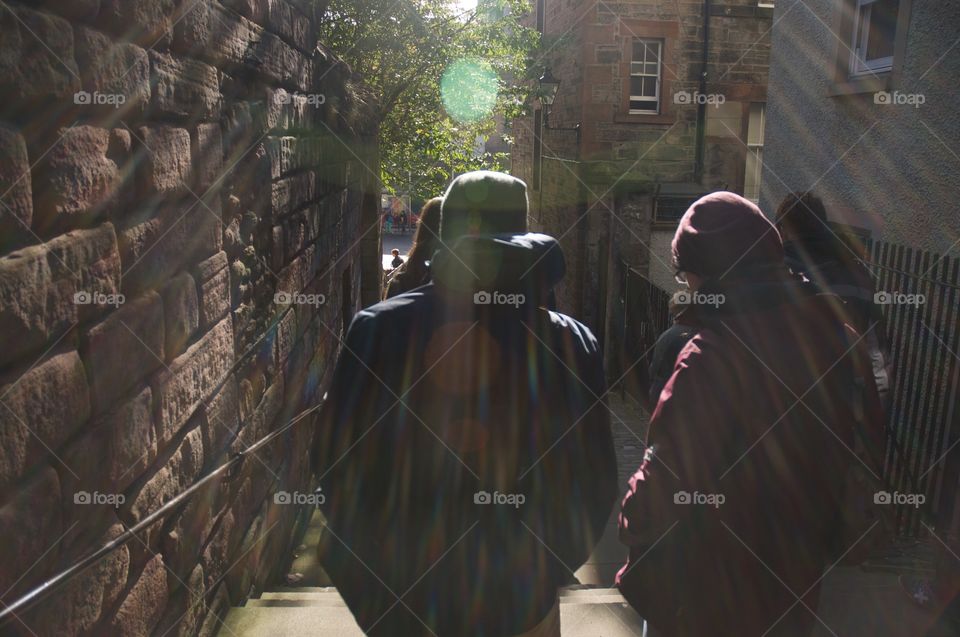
(702, 106)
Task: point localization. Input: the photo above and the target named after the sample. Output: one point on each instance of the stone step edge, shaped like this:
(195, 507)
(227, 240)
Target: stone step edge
(330, 597)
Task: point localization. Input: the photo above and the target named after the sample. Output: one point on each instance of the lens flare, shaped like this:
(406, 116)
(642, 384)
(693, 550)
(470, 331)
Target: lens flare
(469, 89)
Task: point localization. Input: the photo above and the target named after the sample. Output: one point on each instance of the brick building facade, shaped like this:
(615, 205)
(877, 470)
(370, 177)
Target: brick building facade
(659, 103)
(174, 180)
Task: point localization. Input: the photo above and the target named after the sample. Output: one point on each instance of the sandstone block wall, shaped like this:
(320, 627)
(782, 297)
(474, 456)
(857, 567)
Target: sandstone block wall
(182, 239)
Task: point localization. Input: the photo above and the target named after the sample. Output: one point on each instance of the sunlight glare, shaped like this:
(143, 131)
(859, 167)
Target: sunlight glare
(469, 88)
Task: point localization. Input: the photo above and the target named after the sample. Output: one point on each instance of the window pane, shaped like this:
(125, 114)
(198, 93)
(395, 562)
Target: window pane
(649, 87)
(883, 29)
(751, 178)
(647, 106)
(653, 51)
(672, 209)
(645, 77)
(755, 125)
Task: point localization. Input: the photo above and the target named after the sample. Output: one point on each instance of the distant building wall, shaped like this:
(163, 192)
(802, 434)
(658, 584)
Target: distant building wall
(891, 168)
(625, 160)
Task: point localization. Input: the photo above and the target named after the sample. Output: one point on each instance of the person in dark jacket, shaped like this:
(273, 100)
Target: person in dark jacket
(415, 271)
(396, 262)
(734, 514)
(465, 449)
(814, 251)
(669, 346)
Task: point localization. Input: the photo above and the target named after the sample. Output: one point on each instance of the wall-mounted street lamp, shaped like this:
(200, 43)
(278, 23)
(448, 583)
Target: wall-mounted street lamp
(549, 87)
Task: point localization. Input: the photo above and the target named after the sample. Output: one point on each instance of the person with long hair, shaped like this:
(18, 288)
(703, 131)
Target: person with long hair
(416, 271)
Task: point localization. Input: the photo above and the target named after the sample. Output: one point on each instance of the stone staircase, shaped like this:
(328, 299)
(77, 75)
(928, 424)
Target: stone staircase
(588, 609)
(296, 612)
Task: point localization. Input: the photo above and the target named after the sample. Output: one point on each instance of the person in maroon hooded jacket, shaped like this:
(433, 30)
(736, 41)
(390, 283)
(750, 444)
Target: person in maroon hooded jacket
(736, 512)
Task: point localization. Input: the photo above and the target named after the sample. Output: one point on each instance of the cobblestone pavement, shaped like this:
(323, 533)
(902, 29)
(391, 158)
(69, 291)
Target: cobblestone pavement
(629, 423)
(629, 427)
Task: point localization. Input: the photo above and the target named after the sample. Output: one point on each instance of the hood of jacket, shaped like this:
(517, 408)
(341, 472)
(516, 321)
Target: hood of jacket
(530, 264)
(765, 290)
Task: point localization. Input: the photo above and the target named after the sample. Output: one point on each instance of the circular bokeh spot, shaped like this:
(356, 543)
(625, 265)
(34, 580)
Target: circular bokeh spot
(469, 89)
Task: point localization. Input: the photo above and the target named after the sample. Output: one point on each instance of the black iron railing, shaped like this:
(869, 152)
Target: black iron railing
(923, 427)
(922, 319)
(644, 315)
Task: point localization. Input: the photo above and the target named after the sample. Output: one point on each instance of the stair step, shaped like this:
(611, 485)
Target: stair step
(297, 602)
(567, 593)
(330, 597)
(296, 594)
(290, 622)
(576, 620)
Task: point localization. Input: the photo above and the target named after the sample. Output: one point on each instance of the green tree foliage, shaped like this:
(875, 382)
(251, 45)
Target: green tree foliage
(403, 48)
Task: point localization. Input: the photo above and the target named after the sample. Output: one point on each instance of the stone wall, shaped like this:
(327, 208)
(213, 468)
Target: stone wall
(558, 204)
(185, 196)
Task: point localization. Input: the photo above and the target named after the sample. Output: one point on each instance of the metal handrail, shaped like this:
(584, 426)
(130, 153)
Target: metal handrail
(60, 579)
(912, 275)
(57, 581)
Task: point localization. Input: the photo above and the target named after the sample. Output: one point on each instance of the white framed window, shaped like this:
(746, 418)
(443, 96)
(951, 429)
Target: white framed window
(753, 174)
(874, 34)
(645, 71)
